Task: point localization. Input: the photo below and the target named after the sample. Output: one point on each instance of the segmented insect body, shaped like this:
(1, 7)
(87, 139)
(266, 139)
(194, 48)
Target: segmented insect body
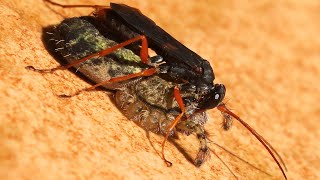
(148, 101)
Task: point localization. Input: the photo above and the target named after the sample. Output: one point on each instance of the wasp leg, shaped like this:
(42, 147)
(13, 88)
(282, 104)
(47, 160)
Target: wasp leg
(100, 13)
(143, 55)
(147, 72)
(177, 96)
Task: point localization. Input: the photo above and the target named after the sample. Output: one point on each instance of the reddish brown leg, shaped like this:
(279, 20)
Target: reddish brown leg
(177, 96)
(100, 11)
(143, 55)
(147, 72)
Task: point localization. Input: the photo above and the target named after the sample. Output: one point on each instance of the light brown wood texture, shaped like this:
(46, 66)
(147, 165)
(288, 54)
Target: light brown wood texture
(267, 53)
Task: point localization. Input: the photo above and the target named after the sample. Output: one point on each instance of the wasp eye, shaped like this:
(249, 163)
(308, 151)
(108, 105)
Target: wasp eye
(216, 96)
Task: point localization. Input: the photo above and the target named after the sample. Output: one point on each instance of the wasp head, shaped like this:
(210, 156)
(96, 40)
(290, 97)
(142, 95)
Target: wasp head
(214, 97)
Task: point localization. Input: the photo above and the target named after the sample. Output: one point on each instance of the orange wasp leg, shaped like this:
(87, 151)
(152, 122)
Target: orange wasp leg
(143, 55)
(100, 12)
(147, 72)
(177, 96)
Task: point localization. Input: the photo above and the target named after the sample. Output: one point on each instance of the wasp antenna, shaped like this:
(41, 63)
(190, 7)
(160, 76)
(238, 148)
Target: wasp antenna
(262, 138)
(278, 155)
(221, 107)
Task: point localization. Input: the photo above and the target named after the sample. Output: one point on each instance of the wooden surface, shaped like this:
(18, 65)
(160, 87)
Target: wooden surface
(267, 53)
